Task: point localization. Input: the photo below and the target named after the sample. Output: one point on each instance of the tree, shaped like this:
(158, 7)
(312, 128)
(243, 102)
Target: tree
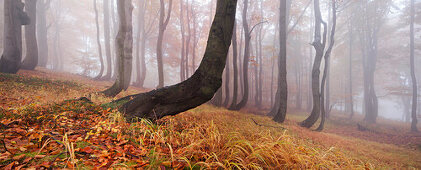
(326, 69)
(124, 44)
(201, 86)
(234, 67)
(247, 36)
(413, 76)
(98, 40)
(42, 31)
(14, 18)
(31, 59)
(183, 40)
(163, 22)
(107, 42)
(319, 45)
(282, 91)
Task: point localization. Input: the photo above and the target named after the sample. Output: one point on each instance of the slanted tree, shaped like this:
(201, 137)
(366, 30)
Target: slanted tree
(124, 44)
(31, 59)
(413, 76)
(14, 18)
(319, 45)
(163, 22)
(201, 86)
(98, 41)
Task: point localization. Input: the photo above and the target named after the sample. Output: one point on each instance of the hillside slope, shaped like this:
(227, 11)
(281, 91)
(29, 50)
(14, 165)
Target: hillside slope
(40, 129)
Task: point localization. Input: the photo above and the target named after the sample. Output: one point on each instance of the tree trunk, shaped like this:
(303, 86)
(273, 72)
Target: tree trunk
(183, 40)
(234, 66)
(350, 93)
(124, 43)
(413, 76)
(42, 31)
(319, 46)
(107, 33)
(247, 37)
(201, 86)
(98, 41)
(282, 91)
(140, 48)
(186, 62)
(14, 18)
(31, 59)
(326, 69)
(227, 83)
(162, 27)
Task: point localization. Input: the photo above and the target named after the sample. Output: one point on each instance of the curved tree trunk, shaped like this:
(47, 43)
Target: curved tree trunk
(201, 86)
(124, 43)
(319, 46)
(326, 69)
(98, 41)
(14, 18)
(162, 26)
(31, 59)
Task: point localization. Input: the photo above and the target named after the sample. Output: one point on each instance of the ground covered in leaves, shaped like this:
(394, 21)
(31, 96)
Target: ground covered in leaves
(42, 128)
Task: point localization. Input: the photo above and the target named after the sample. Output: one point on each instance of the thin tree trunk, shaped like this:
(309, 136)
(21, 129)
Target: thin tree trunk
(162, 27)
(31, 59)
(42, 31)
(227, 83)
(351, 98)
(413, 76)
(201, 86)
(107, 44)
(183, 40)
(186, 63)
(98, 41)
(234, 66)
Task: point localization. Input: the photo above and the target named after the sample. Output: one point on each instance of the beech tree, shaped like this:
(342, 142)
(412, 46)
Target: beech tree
(107, 41)
(413, 76)
(124, 44)
(42, 30)
(14, 18)
(98, 40)
(201, 86)
(31, 59)
(163, 22)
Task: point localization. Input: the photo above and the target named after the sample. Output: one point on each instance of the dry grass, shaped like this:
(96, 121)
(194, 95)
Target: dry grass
(205, 137)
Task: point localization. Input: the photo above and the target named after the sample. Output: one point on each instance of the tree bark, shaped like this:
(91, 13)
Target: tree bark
(201, 86)
(124, 43)
(163, 22)
(140, 48)
(282, 91)
(98, 41)
(31, 59)
(183, 40)
(319, 45)
(227, 83)
(107, 33)
(350, 93)
(413, 76)
(14, 18)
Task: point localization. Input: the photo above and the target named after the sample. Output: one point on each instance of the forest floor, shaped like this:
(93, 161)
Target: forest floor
(40, 129)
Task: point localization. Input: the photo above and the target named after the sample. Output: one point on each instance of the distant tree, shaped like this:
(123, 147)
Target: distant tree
(234, 67)
(31, 59)
(201, 86)
(98, 40)
(413, 76)
(124, 44)
(183, 43)
(14, 18)
(163, 22)
(42, 31)
(107, 40)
